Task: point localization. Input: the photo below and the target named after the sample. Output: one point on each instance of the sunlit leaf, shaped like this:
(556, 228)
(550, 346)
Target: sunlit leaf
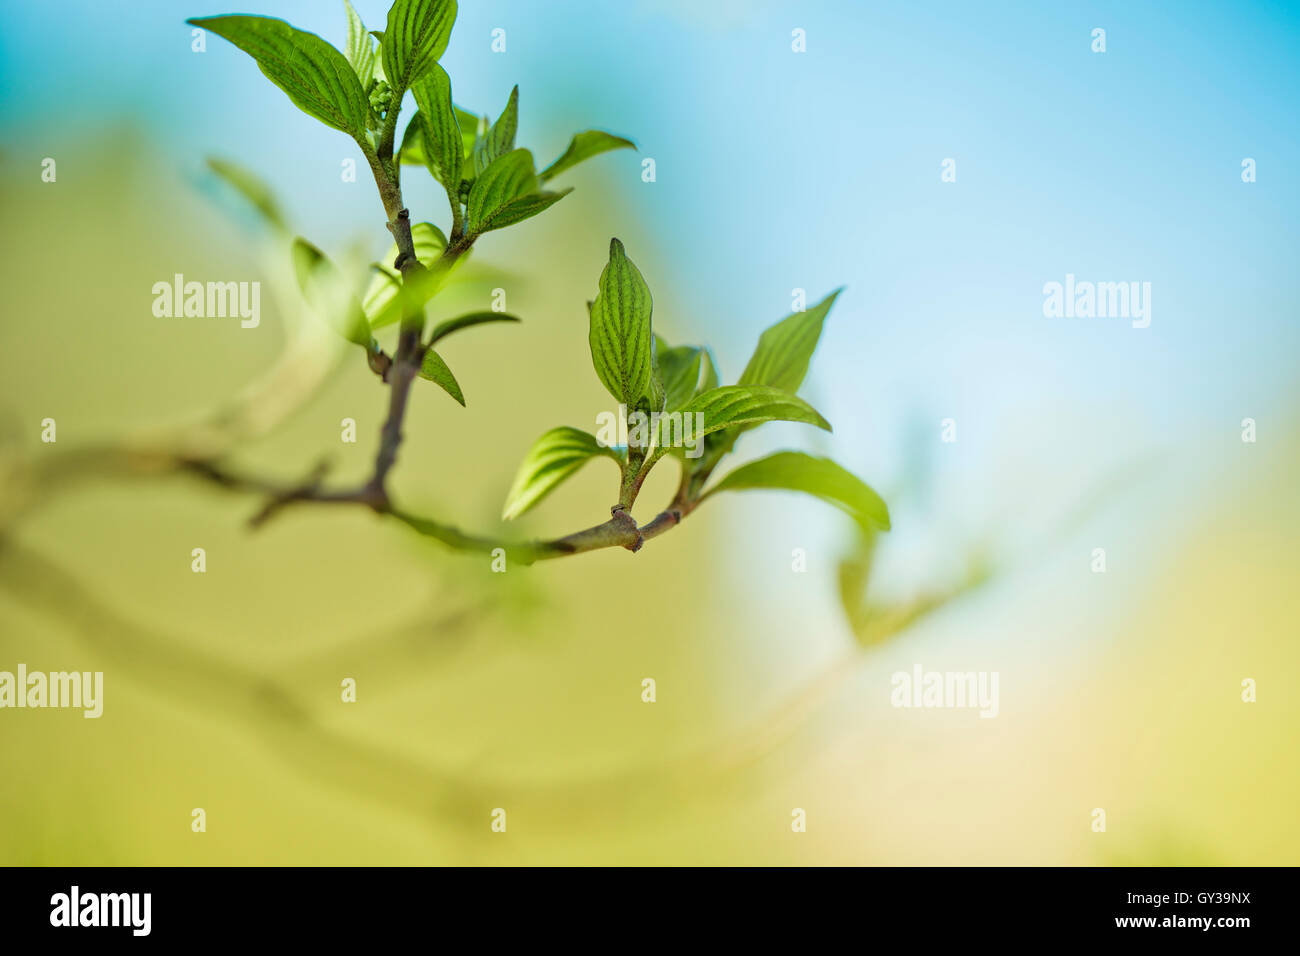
(500, 136)
(554, 457)
(413, 152)
(445, 328)
(440, 133)
(785, 349)
(381, 301)
(506, 193)
(679, 369)
(710, 379)
(734, 405)
(360, 50)
(583, 146)
(620, 335)
(468, 124)
(416, 36)
(436, 370)
(317, 77)
(327, 292)
(821, 477)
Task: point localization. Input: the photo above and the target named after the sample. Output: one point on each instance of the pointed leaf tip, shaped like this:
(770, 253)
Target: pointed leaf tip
(820, 477)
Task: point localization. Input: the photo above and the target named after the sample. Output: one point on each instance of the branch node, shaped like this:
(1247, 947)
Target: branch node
(304, 492)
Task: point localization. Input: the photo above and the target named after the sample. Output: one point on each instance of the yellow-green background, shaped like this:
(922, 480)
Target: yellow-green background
(523, 690)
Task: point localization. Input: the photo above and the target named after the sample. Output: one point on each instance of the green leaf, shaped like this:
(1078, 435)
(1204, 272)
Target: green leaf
(413, 152)
(428, 240)
(436, 370)
(379, 63)
(317, 77)
(784, 350)
(620, 334)
(656, 397)
(583, 146)
(506, 193)
(820, 477)
(360, 50)
(468, 124)
(444, 329)
(710, 381)
(517, 210)
(510, 177)
(327, 292)
(500, 137)
(554, 457)
(734, 405)
(679, 369)
(251, 188)
(417, 33)
(854, 577)
(443, 145)
(381, 301)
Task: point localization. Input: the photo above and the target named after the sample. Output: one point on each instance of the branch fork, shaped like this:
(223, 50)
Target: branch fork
(399, 372)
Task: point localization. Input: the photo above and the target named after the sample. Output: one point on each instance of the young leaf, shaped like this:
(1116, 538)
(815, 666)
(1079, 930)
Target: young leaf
(381, 299)
(854, 577)
(734, 405)
(436, 370)
(251, 188)
(443, 145)
(583, 146)
(655, 397)
(784, 350)
(388, 295)
(428, 240)
(509, 178)
(517, 210)
(679, 368)
(620, 329)
(553, 458)
(506, 193)
(710, 381)
(317, 77)
(360, 50)
(500, 137)
(326, 291)
(444, 329)
(821, 477)
(417, 33)
(468, 124)
(413, 152)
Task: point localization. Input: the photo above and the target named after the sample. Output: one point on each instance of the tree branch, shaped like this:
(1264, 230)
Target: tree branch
(399, 372)
(620, 531)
